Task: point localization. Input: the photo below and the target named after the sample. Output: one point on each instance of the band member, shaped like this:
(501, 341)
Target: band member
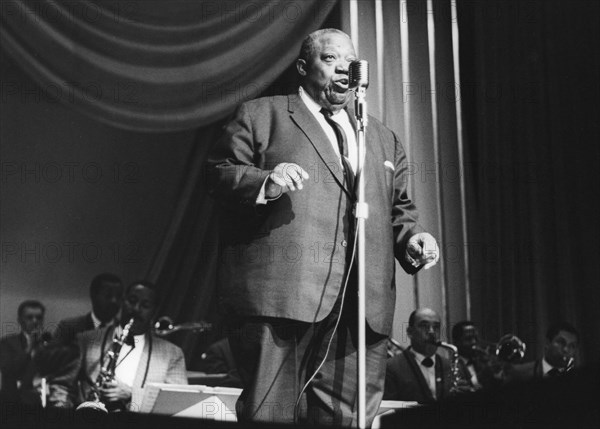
(560, 350)
(144, 358)
(106, 294)
(17, 351)
(419, 373)
(283, 173)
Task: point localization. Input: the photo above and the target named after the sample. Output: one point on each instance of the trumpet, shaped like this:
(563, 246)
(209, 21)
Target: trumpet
(509, 348)
(164, 326)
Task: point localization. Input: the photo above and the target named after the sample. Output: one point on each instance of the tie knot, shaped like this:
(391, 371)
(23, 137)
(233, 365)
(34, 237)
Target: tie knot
(427, 362)
(327, 113)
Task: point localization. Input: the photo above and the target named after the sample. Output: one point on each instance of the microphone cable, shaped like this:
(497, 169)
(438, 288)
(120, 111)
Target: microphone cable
(337, 322)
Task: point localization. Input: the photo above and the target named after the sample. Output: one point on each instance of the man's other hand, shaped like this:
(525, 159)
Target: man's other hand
(285, 177)
(422, 249)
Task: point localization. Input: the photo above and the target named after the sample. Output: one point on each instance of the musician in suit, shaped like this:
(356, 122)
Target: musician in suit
(106, 294)
(470, 363)
(560, 351)
(284, 172)
(17, 351)
(419, 373)
(145, 358)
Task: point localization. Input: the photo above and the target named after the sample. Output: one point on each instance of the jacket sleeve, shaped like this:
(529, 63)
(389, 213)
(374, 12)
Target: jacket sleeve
(404, 211)
(235, 181)
(63, 383)
(176, 372)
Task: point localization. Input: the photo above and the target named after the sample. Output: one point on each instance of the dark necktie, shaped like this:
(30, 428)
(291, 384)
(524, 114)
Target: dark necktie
(553, 372)
(343, 147)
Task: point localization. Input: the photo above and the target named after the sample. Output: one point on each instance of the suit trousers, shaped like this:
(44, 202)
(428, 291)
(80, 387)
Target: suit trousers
(276, 357)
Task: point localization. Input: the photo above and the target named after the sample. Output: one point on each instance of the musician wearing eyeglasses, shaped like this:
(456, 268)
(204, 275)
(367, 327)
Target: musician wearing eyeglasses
(560, 350)
(141, 358)
(18, 350)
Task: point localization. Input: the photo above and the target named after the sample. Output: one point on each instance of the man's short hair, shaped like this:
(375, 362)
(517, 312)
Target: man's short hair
(145, 283)
(308, 44)
(411, 318)
(100, 280)
(30, 303)
(554, 329)
(458, 329)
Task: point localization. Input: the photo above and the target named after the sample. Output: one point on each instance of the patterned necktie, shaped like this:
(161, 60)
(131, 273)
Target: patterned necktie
(342, 146)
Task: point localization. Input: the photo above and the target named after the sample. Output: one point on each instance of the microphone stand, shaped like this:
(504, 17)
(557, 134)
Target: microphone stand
(361, 214)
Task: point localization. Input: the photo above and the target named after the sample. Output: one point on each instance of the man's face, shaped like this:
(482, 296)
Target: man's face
(325, 74)
(468, 340)
(561, 349)
(139, 303)
(32, 320)
(425, 333)
(107, 301)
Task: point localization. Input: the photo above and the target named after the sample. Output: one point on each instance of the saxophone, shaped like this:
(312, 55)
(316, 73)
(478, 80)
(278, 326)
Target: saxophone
(107, 375)
(455, 372)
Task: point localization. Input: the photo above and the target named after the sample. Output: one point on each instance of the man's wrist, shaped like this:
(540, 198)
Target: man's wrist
(272, 190)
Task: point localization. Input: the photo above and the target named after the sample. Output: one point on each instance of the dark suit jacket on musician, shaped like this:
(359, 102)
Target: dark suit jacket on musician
(67, 329)
(287, 258)
(524, 371)
(404, 380)
(17, 366)
(165, 364)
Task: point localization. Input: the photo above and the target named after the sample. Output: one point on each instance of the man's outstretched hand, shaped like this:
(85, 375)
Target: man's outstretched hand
(422, 249)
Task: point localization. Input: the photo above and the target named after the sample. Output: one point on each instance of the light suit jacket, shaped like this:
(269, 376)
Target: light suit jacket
(161, 362)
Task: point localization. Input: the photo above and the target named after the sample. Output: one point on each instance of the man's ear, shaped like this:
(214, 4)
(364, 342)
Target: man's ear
(301, 67)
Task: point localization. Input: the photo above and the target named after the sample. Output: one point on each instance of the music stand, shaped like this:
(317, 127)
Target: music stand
(198, 401)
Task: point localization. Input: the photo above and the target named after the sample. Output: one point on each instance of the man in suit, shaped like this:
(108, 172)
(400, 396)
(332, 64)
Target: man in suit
(17, 365)
(419, 373)
(560, 351)
(283, 173)
(144, 358)
(106, 294)
(471, 363)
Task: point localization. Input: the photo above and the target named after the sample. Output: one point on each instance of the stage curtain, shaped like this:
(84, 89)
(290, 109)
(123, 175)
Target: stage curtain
(156, 66)
(530, 95)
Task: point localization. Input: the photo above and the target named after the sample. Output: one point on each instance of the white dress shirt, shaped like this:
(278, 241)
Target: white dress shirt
(129, 360)
(428, 373)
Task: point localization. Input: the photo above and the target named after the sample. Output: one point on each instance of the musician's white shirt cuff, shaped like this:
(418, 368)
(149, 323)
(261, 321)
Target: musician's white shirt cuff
(261, 199)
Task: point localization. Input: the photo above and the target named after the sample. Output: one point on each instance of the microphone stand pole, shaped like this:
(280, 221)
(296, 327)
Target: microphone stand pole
(361, 213)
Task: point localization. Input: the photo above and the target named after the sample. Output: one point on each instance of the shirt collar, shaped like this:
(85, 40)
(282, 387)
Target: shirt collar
(546, 366)
(312, 105)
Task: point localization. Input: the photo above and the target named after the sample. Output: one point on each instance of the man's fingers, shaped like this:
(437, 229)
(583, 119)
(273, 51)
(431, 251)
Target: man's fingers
(278, 180)
(290, 176)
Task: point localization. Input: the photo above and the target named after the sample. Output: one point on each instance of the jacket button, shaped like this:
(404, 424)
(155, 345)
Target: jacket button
(344, 243)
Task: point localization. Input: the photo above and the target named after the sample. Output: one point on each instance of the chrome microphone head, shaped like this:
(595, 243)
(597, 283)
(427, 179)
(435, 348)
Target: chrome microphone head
(358, 74)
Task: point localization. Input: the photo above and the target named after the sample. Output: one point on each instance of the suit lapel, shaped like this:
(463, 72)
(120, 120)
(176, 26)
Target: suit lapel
(141, 369)
(414, 365)
(305, 120)
(89, 322)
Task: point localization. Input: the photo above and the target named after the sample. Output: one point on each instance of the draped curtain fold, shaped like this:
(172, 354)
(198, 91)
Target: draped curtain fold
(156, 66)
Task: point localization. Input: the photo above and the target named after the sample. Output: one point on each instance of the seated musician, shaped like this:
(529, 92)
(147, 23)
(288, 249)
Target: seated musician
(142, 359)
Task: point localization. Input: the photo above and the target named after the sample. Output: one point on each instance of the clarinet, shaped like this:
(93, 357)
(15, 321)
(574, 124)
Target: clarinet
(107, 375)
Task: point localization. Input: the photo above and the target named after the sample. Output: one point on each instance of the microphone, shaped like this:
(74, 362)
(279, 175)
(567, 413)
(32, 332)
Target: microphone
(358, 74)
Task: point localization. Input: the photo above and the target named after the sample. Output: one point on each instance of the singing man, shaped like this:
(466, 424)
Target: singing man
(283, 173)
